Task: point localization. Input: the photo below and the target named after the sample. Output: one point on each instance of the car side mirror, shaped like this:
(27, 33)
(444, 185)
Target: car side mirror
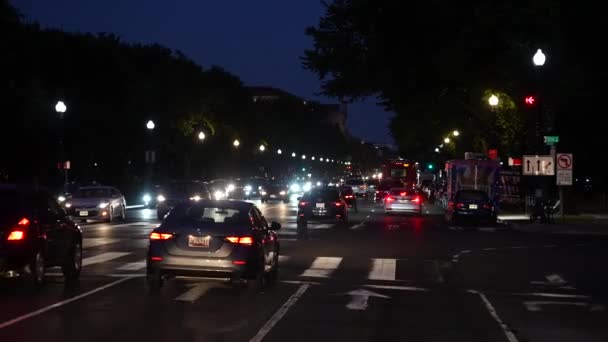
(275, 226)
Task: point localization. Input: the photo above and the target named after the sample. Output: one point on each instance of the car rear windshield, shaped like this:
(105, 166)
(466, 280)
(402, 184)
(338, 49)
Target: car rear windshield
(388, 186)
(92, 193)
(209, 214)
(472, 196)
(325, 194)
(9, 203)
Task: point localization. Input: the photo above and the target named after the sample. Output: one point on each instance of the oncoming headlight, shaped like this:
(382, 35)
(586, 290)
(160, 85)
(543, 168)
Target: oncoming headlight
(147, 198)
(307, 186)
(103, 205)
(282, 193)
(160, 198)
(295, 188)
(61, 199)
(248, 188)
(218, 195)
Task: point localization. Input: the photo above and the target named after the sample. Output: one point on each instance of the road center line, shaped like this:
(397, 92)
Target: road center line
(507, 331)
(62, 303)
(279, 314)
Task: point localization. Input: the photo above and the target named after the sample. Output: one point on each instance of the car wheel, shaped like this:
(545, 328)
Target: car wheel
(273, 275)
(155, 280)
(73, 264)
(123, 214)
(35, 279)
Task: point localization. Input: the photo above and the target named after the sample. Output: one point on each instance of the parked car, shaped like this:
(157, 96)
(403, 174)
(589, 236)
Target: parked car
(36, 234)
(97, 203)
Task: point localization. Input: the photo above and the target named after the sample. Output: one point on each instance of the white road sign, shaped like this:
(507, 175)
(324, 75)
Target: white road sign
(538, 166)
(565, 166)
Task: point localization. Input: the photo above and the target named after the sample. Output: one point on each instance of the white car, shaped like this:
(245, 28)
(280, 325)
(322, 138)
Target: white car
(403, 200)
(96, 203)
(358, 186)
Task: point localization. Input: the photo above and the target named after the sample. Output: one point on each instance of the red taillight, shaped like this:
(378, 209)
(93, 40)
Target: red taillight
(416, 199)
(239, 262)
(389, 199)
(156, 258)
(241, 240)
(487, 206)
(303, 203)
(459, 205)
(349, 196)
(338, 204)
(403, 194)
(160, 236)
(18, 233)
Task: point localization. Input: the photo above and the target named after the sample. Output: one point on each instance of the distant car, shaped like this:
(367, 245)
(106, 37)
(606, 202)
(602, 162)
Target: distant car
(36, 234)
(347, 194)
(220, 239)
(252, 187)
(175, 192)
(384, 186)
(221, 188)
(275, 191)
(471, 206)
(371, 185)
(322, 204)
(403, 200)
(358, 186)
(97, 203)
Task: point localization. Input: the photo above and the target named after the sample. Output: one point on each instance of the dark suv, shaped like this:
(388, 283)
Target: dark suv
(471, 206)
(322, 204)
(35, 234)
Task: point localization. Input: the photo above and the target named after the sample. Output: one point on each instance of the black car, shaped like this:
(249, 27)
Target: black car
(322, 204)
(175, 192)
(275, 191)
(35, 234)
(349, 196)
(471, 206)
(219, 239)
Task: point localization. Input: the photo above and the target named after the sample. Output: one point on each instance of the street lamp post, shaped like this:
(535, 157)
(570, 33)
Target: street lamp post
(493, 100)
(201, 136)
(150, 152)
(60, 109)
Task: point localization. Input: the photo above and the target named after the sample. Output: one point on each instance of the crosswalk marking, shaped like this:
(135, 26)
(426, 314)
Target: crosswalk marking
(133, 266)
(94, 242)
(383, 269)
(322, 267)
(103, 257)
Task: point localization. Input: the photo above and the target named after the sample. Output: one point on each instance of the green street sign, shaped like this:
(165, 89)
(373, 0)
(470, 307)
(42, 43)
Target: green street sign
(551, 139)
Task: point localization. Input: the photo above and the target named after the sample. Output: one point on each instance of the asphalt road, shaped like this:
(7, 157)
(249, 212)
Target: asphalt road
(397, 278)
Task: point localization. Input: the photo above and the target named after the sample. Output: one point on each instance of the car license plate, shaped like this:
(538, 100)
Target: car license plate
(472, 206)
(273, 196)
(83, 213)
(321, 205)
(198, 241)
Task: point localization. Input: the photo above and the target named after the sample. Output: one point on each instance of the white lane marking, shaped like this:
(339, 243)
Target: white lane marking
(136, 206)
(299, 282)
(283, 258)
(395, 287)
(133, 266)
(555, 279)
(550, 295)
(383, 269)
(358, 226)
(535, 306)
(279, 314)
(103, 257)
(94, 242)
(62, 303)
(322, 267)
(489, 249)
(195, 292)
(287, 232)
(506, 330)
(466, 251)
(360, 298)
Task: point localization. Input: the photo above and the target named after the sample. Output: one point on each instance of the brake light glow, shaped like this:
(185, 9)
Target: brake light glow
(242, 240)
(416, 199)
(16, 235)
(303, 203)
(156, 258)
(349, 196)
(403, 194)
(389, 199)
(160, 236)
(459, 205)
(24, 222)
(487, 206)
(338, 204)
(239, 262)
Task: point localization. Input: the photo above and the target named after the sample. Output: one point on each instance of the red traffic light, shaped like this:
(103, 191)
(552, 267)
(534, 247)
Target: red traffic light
(530, 100)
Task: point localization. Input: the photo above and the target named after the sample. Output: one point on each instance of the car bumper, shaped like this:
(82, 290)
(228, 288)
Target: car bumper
(90, 214)
(178, 266)
(405, 208)
(475, 215)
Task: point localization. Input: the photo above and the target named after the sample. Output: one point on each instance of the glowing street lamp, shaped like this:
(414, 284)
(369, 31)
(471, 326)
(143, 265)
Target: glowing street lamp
(455, 133)
(236, 143)
(446, 140)
(279, 151)
(303, 156)
(293, 154)
(262, 148)
(493, 100)
(539, 58)
(60, 107)
(437, 149)
(150, 125)
(201, 136)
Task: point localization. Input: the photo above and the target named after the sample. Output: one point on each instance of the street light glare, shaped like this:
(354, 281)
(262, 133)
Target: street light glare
(236, 143)
(493, 100)
(293, 154)
(262, 148)
(60, 107)
(437, 149)
(446, 140)
(539, 58)
(455, 133)
(303, 156)
(150, 124)
(201, 136)
(279, 151)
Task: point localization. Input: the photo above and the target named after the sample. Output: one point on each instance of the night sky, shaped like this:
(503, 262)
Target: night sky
(260, 41)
